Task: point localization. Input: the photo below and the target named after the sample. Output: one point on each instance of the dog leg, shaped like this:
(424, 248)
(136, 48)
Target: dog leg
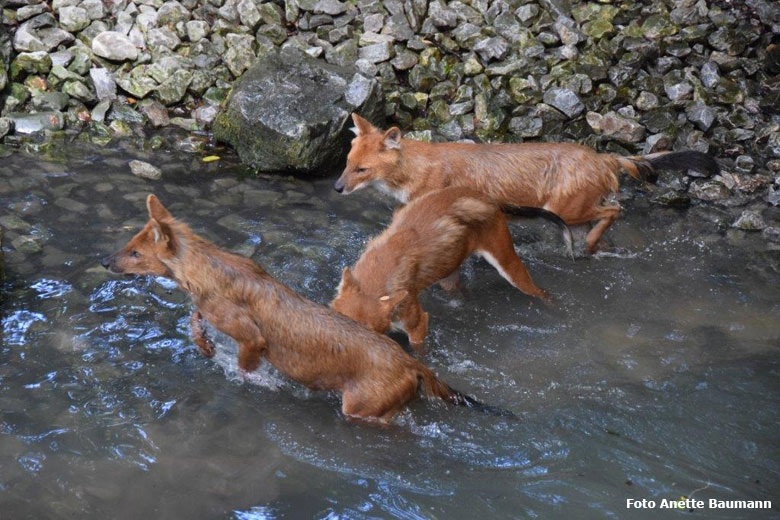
(451, 282)
(199, 335)
(606, 215)
(417, 328)
(250, 353)
(499, 250)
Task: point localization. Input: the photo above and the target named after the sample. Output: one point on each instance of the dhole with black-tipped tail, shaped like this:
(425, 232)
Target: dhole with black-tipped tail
(567, 179)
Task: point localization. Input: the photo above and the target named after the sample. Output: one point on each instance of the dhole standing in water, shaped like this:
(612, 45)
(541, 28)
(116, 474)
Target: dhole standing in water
(311, 344)
(426, 243)
(568, 179)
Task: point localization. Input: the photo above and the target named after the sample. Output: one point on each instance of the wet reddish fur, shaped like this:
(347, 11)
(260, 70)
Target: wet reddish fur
(426, 243)
(310, 343)
(565, 178)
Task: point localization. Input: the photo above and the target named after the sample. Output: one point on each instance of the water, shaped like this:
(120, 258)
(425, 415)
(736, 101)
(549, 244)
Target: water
(654, 374)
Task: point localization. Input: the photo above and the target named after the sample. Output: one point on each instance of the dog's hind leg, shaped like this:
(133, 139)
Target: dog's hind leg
(496, 246)
(199, 335)
(606, 216)
(451, 282)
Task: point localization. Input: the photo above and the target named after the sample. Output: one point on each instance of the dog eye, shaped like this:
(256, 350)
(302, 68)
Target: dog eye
(134, 253)
(361, 170)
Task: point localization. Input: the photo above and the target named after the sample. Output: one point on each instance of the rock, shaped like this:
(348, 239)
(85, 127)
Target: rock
(564, 100)
(73, 19)
(526, 126)
(772, 195)
(708, 190)
(145, 170)
(744, 164)
(5, 126)
(750, 221)
(239, 58)
(173, 89)
(613, 125)
(114, 46)
(671, 197)
(289, 112)
(171, 13)
(331, 7)
(105, 87)
(78, 90)
(701, 115)
(495, 48)
(377, 52)
(646, 101)
(94, 9)
(31, 123)
(197, 30)
(248, 13)
(155, 112)
(33, 62)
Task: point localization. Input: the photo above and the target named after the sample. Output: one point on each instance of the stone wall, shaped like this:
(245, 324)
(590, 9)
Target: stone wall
(629, 77)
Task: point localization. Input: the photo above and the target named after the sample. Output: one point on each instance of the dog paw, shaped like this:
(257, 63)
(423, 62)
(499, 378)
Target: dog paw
(207, 348)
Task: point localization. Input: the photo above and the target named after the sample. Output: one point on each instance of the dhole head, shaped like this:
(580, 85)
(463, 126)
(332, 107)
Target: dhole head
(352, 302)
(373, 156)
(146, 251)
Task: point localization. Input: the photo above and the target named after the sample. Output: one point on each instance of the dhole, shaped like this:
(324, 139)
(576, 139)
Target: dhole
(426, 243)
(570, 180)
(311, 344)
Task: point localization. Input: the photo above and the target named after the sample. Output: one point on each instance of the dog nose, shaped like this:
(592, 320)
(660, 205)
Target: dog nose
(339, 186)
(106, 262)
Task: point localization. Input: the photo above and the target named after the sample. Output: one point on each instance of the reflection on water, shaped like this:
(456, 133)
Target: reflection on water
(655, 372)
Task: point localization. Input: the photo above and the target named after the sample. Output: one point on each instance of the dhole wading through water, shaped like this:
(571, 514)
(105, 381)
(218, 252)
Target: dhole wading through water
(309, 343)
(567, 179)
(426, 242)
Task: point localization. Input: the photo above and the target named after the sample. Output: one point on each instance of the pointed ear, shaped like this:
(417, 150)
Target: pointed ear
(160, 232)
(156, 210)
(348, 279)
(389, 302)
(393, 138)
(362, 126)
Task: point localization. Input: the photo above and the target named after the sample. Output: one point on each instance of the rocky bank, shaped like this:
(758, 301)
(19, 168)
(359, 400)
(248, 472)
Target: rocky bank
(629, 77)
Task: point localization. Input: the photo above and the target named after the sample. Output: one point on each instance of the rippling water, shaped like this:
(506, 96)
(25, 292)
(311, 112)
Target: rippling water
(655, 373)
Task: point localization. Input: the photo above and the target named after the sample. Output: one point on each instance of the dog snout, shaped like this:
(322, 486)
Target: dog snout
(339, 186)
(106, 262)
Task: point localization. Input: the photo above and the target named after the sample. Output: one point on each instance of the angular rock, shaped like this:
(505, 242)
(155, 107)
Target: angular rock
(114, 46)
(495, 48)
(613, 125)
(31, 123)
(564, 100)
(290, 112)
(73, 19)
(145, 170)
(701, 115)
(750, 221)
(105, 87)
(377, 53)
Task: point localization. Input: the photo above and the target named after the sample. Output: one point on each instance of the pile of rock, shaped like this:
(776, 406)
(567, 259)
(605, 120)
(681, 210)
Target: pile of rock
(630, 77)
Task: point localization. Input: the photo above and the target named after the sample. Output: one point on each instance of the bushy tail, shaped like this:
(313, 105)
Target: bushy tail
(434, 387)
(531, 212)
(645, 167)
(471, 211)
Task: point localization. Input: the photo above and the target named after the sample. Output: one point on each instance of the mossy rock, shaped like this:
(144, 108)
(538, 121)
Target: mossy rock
(291, 112)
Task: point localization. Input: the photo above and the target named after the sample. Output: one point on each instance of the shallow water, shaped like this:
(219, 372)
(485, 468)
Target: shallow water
(655, 374)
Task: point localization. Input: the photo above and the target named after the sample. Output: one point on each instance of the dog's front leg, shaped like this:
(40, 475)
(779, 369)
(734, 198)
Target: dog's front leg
(199, 336)
(249, 354)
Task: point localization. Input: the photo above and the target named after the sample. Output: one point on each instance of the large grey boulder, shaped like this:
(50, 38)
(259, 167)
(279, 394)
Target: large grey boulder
(291, 112)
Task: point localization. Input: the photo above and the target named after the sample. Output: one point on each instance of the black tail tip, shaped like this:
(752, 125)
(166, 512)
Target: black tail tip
(687, 160)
